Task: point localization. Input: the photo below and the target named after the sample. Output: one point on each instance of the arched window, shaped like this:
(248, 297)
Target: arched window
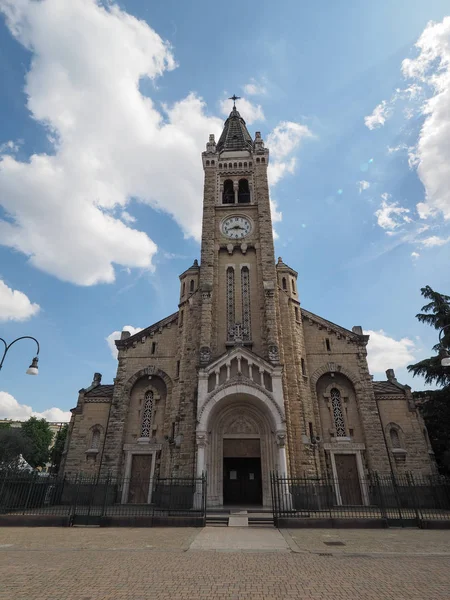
(228, 192)
(338, 415)
(243, 191)
(257, 160)
(395, 438)
(183, 288)
(245, 164)
(230, 302)
(284, 283)
(95, 440)
(250, 164)
(245, 292)
(230, 165)
(293, 286)
(212, 163)
(303, 366)
(220, 165)
(263, 160)
(146, 425)
(235, 165)
(191, 286)
(240, 164)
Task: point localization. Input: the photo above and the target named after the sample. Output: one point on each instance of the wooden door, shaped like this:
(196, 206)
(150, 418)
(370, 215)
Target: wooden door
(348, 479)
(242, 481)
(140, 478)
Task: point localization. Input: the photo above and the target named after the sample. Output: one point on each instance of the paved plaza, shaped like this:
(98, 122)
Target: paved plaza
(227, 563)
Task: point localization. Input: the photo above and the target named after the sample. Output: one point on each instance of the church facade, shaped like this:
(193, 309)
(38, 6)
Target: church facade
(242, 380)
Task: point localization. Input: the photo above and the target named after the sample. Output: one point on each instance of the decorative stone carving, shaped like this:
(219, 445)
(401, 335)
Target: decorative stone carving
(241, 424)
(274, 355)
(281, 439)
(205, 355)
(201, 438)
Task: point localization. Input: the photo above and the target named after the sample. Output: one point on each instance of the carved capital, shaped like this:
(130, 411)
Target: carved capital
(274, 355)
(281, 439)
(205, 355)
(201, 438)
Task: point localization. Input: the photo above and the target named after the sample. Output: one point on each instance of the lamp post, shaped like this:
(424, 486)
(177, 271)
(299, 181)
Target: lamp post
(33, 368)
(443, 352)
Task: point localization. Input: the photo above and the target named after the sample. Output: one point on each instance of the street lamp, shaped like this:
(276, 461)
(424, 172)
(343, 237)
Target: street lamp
(443, 352)
(33, 368)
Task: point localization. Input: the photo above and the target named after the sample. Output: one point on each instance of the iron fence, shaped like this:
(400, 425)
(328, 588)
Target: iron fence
(388, 500)
(104, 501)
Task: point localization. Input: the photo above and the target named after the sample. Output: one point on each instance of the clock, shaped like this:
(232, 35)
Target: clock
(236, 227)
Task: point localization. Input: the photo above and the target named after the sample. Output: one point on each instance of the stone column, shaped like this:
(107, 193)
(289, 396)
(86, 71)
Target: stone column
(201, 439)
(286, 498)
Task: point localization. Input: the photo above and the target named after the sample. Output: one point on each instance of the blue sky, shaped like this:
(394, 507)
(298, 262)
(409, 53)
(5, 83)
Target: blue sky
(106, 108)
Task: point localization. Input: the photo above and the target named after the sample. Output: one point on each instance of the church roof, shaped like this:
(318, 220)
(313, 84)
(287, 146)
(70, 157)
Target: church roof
(385, 388)
(159, 325)
(332, 326)
(235, 135)
(101, 391)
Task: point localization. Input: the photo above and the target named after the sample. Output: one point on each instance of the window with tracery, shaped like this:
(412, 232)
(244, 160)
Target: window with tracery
(95, 441)
(230, 301)
(395, 438)
(246, 317)
(146, 426)
(338, 415)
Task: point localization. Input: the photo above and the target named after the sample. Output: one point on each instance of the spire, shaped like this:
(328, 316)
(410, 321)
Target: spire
(235, 135)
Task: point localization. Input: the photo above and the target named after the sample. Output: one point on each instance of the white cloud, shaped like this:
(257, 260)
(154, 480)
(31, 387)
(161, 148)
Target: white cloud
(254, 88)
(9, 147)
(385, 352)
(249, 112)
(379, 115)
(434, 240)
(127, 217)
(115, 335)
(415, 255)
(15, 305)
(363, 185)
(110, 143)
(432, 66)
(11, 409)
(277, 216)
(283, 141)
(391, 215)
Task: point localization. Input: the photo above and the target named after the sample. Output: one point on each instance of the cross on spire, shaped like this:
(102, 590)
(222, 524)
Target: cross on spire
(234, 98)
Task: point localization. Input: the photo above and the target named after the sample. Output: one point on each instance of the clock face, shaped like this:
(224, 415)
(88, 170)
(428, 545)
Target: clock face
(236, 227)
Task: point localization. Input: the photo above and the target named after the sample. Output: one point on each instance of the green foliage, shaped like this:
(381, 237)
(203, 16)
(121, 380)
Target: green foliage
(5, 426)
(435, 405)
(437, 314)
(58, 447)
(39, 433)
(13, 443)
(435, 408)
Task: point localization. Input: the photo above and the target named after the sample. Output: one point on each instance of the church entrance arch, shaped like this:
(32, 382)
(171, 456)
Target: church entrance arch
(239, 439)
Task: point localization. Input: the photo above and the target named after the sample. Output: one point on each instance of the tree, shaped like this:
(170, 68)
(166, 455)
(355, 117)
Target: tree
(13, 443)
(435, 404)
(437, 314)
(58, 447)
(40, 435)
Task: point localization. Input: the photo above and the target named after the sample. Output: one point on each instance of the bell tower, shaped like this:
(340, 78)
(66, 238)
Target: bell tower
(238, 280)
